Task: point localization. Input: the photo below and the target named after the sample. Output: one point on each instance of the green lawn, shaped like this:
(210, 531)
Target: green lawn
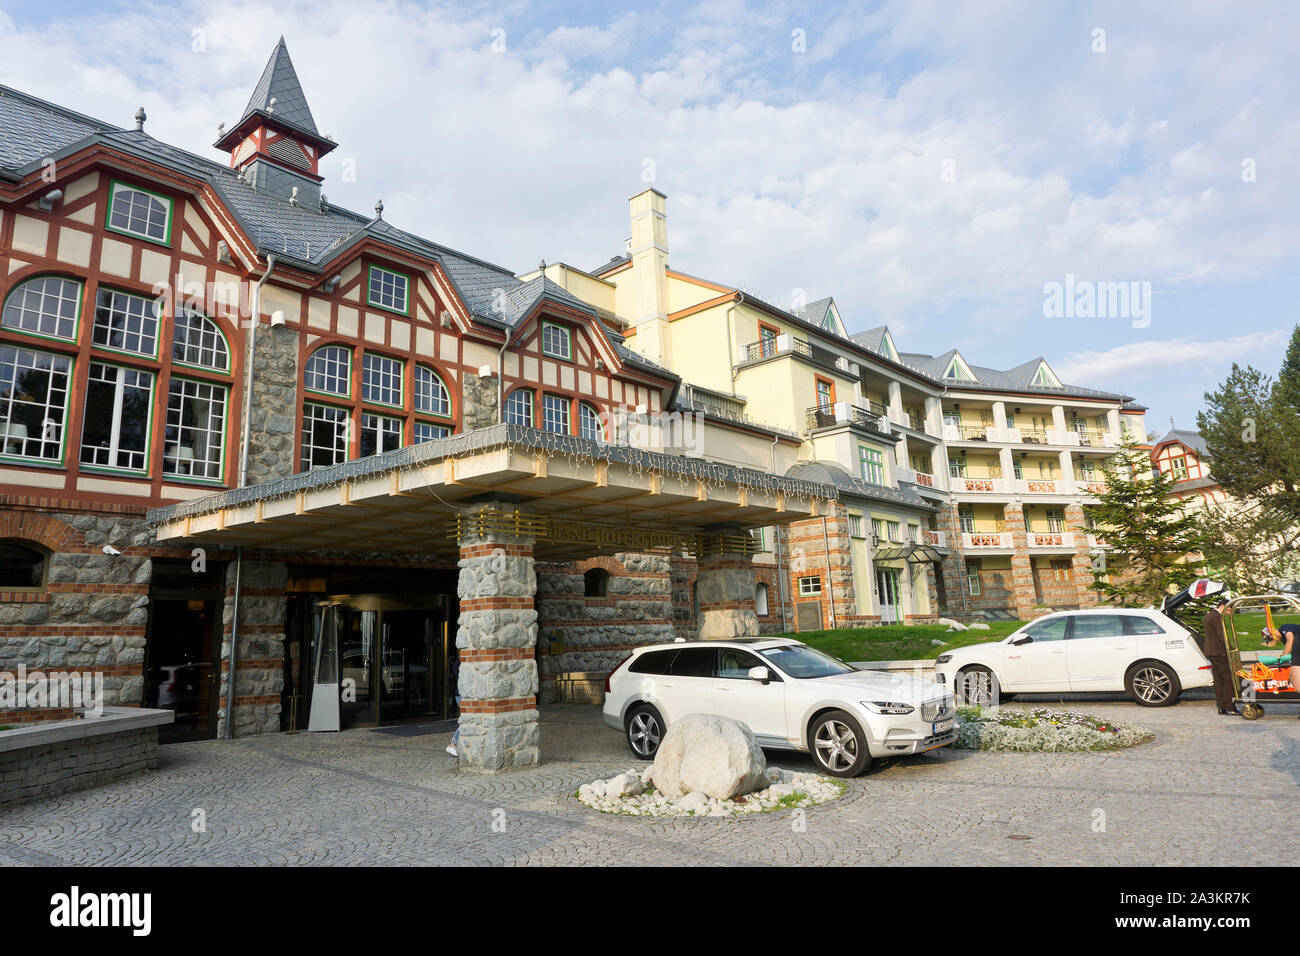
(897, 642)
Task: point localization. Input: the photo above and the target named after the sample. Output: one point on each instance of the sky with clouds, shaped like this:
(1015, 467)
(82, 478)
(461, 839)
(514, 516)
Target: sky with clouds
(932, 165)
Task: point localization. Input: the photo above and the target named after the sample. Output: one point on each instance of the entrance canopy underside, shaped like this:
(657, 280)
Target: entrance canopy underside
(588, 498)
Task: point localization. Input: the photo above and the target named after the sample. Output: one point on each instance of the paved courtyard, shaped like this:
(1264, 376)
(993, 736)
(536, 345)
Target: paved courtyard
(1210, 790)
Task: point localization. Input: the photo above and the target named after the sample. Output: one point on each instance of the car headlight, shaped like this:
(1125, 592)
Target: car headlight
(943, 659)
(886, 707)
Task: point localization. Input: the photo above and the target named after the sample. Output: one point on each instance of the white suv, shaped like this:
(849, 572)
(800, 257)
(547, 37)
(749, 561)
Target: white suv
(791, 696)
(1143, 652)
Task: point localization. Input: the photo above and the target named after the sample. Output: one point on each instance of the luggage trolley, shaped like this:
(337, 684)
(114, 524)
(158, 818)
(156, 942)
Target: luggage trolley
(1270, 676)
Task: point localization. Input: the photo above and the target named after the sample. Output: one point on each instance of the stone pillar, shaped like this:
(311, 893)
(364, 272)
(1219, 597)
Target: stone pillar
(259, 661)
(479, 401)
(496, 636)
(724, 585)
(1022, 570)
(272, 430)
(1082, 558)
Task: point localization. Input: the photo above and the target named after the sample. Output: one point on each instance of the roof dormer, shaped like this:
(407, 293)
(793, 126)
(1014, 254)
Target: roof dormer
(958, 370)
(1045, 377)
(275, 146)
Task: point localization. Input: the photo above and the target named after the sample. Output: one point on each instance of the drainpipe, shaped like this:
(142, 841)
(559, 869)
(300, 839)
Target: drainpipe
(731, 338)
(961, 558)
(830, 585)
(501, 378)
(780, 579)
(255, 307)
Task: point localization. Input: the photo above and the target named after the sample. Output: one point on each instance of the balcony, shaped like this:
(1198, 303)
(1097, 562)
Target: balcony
(1090, 487)
(936, 539)
(1032, 436)
(1049, 540)
(846, 413)
(713, 403)
(1044, 486)
(787, 344)
(1095, 541)
(986, 540)
(983, 485)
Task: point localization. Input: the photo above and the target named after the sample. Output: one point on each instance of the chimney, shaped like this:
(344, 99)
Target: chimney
(648, 250)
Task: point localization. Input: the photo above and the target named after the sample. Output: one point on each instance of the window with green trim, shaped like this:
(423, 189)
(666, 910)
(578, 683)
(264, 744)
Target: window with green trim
(119, 403)
(389, 290)
(137, 212)
(195, 441)
(329, 370)
(556, 341)
(431, 395)
(519, 407)
(871, 465)
(33, 403)
(46, 305)
(125, 322)
(381, 380)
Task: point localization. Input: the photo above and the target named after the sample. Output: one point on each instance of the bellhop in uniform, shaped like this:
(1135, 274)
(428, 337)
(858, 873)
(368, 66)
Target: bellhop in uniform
(1216, 650)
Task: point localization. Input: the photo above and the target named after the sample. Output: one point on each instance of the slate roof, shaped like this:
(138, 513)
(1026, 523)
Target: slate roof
(305, 236)
(1192, 439)
(871, 339)
(814, 312)
(279, 82)
(829, 473)
(1018, 379)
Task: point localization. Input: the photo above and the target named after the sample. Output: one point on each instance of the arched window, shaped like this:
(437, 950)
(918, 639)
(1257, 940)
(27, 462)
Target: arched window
(760, 599)
(431, 395)
(139, 213)
(329, 370)
(595, 583)
(22, 567)
(589, 424)
(519, 407)
(46, 305)
(196, 340)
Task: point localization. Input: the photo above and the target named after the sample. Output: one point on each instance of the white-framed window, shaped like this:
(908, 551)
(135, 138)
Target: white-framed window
(389, 290)
(195, 441)
(555, 414)
(855, 526)
(431, 395)
(46, 305)
(878, 528)
(381, 380)
(871, 465)
(1087, 470)
(519, 407)
(757, 536)
(589, 423)
(760, 599)
(196, 340)
(952, 417)
(119, 404)
(1016, 469)
(810, 586)
(891, 531)
(329, 370)
(972, 578)
(557, 342)
(956, 467)
(428, 431)
(138, 212)
(325, 435)
(125, 322)
(33, 402)
(379, 433)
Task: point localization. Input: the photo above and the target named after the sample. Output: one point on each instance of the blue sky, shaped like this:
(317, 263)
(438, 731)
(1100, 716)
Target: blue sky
(931, 165)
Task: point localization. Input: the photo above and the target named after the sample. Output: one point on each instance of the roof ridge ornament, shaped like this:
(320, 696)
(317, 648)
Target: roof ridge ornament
(379, 209)
(140, 117)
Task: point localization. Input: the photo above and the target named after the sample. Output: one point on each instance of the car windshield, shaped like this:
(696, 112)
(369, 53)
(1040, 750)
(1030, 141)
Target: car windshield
(804, 662)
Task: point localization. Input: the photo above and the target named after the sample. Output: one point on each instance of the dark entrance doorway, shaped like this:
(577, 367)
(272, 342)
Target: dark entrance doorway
(182, 647)
(393, 645)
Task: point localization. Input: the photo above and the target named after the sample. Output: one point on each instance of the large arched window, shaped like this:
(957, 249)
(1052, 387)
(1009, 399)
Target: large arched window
(595, 583)
(519, 407)
(46, 305)
(431, 395)
(197, 341)
(329, 370)
(22, 567)
(589, 423)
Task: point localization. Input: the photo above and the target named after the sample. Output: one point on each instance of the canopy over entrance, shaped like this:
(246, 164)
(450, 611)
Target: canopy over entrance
(577, 498)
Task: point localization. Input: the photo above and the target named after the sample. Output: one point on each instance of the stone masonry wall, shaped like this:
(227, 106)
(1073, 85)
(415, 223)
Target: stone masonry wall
(274, 400)
(479, 401)
(259, 662)
(41, 772)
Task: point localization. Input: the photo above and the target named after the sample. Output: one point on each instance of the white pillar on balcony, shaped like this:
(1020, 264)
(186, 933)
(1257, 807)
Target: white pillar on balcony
(1058, 422)
(1000, 418)
(1112, 423)
(1008, 466)
(896, 403)
(901, 454)
(939, 466)
(934, 415)
(1067, 470)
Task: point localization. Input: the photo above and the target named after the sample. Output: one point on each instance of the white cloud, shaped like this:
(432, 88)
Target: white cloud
(1143, 360)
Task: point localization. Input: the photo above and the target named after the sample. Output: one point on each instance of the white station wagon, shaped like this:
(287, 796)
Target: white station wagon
(1142, 652)
(791, 696)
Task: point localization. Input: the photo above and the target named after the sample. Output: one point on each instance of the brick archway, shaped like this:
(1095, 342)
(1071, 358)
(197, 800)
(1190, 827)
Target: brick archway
(43, 529)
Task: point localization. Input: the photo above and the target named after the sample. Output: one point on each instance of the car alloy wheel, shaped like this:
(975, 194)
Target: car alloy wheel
(644, 733)
(1152, 685)
(837, 746)
(976, 687)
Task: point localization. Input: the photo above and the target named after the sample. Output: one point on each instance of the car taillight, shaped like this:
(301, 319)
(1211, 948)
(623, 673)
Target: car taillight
(615, 671)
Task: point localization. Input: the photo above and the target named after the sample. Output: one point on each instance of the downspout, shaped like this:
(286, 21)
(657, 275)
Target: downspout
(780, 580)
(830, 585)
(255, 308)
(731, 338)
(961, 558)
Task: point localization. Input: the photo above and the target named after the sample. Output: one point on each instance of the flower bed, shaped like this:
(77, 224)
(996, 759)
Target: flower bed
(631, 794)
(1042, 730)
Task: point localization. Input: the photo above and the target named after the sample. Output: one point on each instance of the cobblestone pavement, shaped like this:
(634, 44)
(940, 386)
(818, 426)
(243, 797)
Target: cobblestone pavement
(1210, 790)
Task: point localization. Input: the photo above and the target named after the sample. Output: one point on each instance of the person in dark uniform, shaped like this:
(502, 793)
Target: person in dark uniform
(1216, 650)
(1290, 633)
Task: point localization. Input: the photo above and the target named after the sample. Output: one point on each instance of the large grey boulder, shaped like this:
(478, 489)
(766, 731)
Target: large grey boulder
(708, 754)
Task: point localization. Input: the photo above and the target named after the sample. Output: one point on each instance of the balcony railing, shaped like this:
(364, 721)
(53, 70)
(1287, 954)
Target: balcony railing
(937, 539)
(975, 540)
(915, 477)
(790, 344)
(985, 485)
(1033, 436)
(1050, 539)
(842, 413)
(1091, 487)
(722, 406)
(1096, 540)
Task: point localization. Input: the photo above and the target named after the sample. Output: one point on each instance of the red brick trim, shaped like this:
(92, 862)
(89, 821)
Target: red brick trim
(509, 550)
(497, 654)
(502, 706)
(496, 604)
